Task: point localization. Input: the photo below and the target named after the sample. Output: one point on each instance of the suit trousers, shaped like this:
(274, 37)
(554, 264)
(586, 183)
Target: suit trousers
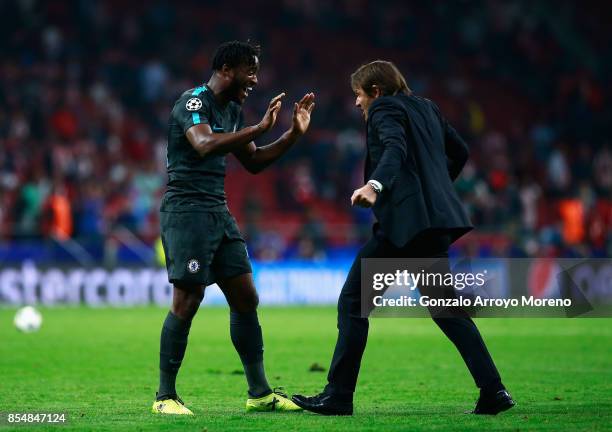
(353, 328)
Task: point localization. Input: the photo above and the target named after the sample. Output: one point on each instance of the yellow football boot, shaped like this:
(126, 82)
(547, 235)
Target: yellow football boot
(170, 406)
(275, 401)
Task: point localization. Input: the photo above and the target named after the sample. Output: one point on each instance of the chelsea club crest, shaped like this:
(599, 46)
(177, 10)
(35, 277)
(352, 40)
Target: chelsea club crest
(193, 265)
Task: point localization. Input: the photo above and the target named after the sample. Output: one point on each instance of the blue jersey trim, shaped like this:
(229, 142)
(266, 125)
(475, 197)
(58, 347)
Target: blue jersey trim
(198, 90)
(195, 117)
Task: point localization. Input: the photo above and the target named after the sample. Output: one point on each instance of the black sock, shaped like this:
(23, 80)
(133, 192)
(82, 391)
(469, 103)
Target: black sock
(171, 352)
(246, 336)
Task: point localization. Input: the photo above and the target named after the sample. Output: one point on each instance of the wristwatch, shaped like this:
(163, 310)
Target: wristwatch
(376, 186)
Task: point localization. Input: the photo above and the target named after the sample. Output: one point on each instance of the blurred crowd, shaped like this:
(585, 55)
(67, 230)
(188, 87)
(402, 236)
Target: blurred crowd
(86, 88)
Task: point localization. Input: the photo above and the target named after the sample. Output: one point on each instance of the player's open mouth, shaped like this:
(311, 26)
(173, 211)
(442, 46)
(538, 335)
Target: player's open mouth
(245, 91)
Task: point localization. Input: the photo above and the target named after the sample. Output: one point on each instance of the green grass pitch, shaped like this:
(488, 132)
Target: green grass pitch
(100, 366)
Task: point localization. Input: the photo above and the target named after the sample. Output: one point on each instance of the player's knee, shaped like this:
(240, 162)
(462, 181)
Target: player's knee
(194, 300)
(186, 301)
(247, 303)
(251, 302)
(187, 309)
(254, 301)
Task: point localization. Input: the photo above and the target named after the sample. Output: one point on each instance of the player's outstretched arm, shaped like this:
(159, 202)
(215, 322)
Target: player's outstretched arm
(255, 159)
(206, 142)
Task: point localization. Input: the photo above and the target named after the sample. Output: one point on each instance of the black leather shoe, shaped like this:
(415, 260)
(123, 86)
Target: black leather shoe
(325, 404)
(494, 404)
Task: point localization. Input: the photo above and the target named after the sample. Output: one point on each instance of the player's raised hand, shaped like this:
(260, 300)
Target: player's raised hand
(269, 117)
(301, 113)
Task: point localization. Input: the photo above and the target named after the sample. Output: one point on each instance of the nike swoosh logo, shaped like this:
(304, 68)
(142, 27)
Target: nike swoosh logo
(172, 361)
(217, 128)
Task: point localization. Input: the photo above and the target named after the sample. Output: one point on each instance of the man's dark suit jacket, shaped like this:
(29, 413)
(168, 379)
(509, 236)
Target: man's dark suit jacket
(416, 155)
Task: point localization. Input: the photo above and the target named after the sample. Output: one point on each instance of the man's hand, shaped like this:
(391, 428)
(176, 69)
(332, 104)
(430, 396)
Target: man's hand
(269, 117)
(364, 197)
(301, 114)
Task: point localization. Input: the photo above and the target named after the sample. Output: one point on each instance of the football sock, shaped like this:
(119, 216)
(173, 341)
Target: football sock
(246, 336)
(171, 352)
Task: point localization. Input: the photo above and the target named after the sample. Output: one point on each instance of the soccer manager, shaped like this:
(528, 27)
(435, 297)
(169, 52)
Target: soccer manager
(413, 157)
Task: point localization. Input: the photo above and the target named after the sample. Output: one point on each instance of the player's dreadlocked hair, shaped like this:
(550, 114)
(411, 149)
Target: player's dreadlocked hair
(235, 53)
(381, 73)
